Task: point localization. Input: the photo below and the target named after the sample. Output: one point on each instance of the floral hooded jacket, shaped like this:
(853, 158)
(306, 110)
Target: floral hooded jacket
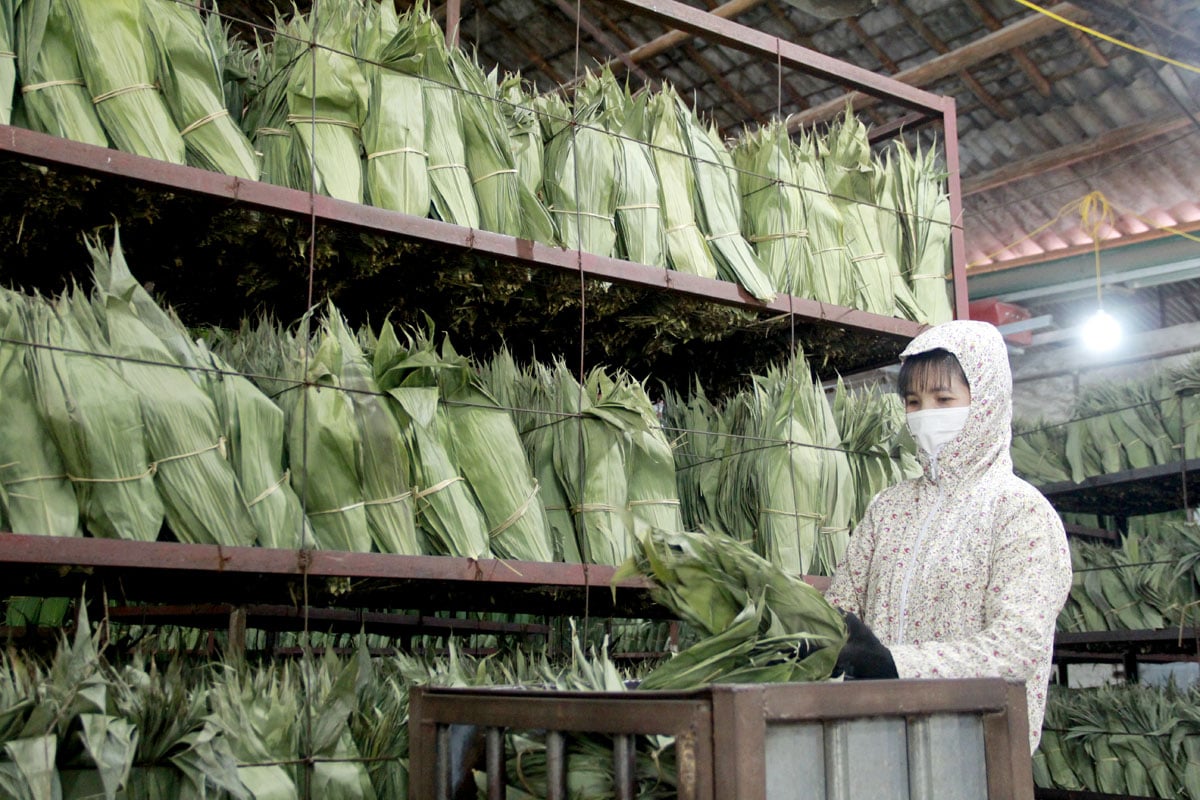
(961, 573)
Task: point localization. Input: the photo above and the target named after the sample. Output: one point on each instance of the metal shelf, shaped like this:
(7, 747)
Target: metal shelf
(1133, 492)
(1165, 641)
(527, 274)
(1071, 794)
(1128, 648)
(170, 572)
(217, 616)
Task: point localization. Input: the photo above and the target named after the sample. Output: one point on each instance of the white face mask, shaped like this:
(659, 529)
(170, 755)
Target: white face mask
(934, 427)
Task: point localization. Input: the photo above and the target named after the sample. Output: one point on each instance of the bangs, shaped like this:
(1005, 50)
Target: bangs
(930, 370)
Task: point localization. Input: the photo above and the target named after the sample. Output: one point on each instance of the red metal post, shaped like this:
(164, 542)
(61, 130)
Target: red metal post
(958, 243)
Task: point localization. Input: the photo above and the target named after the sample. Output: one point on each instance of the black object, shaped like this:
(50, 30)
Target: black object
(864, 657)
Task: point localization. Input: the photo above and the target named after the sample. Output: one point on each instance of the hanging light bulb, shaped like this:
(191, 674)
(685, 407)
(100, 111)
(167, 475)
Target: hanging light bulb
(1102, 331)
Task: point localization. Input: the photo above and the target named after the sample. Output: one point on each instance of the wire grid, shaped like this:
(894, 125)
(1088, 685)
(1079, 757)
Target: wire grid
(744, 444)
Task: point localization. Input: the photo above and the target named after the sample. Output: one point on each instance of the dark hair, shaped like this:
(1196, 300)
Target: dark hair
(929, 369)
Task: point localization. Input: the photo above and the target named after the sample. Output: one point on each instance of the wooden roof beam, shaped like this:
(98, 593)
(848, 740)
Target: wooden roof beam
(933, 40)
(674, 38)
(531, 53)
(702, 61)
(597, 10)
(1074, 153)
(1018, 54)
(1025, 30)
(601, 38)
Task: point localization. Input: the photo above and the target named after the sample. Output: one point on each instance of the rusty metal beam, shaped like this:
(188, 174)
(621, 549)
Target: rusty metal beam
(717, 30)
(42, 148)
(263, 616)
(184, 573)
(453, 22)
(674, 38)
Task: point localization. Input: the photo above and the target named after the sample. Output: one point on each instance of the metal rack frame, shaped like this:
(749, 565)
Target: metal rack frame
(169, 572)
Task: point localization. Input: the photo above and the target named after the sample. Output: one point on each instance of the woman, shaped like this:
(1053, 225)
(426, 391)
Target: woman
(961, 572)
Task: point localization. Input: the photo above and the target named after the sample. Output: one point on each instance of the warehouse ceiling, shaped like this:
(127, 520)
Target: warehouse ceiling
(1047, 114)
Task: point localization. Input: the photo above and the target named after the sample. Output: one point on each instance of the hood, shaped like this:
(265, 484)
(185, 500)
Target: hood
(986, 437)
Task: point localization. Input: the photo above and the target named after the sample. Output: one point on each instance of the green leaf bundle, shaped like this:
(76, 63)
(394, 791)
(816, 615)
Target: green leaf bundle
(453, 196)
(37, 497)
(199, 489)
(851, 176)
(384, 460)
(191, 84)
(924, 208)
(529, 393)
(95, 420)
(394, 128)
(829, 270)
(53, 93)
(876, 441)
(701, 445)
(327, 101)
(325, 446)
(447, 510)
(254, 427)
(590, 453)
(265, 121)
(773, 207)
(687, 249)
(580, 174)
(719, 210)
(529, 152)
(118, 66)
(488, 450)
(751, 613)
(489, 149)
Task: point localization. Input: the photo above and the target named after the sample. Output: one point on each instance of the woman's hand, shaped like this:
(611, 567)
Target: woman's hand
(863, 657)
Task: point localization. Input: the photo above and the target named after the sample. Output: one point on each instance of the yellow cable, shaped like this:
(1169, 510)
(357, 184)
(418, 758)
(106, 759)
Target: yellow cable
(989, 257)
(1107, 38)
(1096, 214)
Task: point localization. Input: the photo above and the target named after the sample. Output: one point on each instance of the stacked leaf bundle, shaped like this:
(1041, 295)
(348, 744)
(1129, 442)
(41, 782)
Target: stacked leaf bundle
(1113, 427)
(122, 423)
(364, 441)
(604, 467)
(876, 440)
(771, 467)
(1122, 741)
(1150, 581)
(834, 221)
(147, 75)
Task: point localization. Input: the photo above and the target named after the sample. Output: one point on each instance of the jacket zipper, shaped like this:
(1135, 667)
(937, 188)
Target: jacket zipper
(912, 566)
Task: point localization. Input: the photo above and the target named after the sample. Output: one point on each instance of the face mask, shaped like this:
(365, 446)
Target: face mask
(934, 427)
